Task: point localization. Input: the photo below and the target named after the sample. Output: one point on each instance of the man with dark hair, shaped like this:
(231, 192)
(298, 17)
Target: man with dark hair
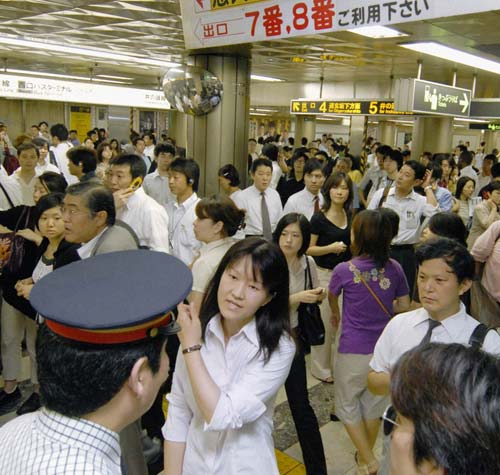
(73, 138)
(24, 178)
(139, 147)
(142, 213)
(484, 177)
(411, 208)
(156, 182)
(149, 145)
(445, 272)
(465, 166)
(374, 178)
(309, 200)
(262, 203)
(485, 191)
(184, 175)
(60, 147)
(82, 163)
(252, 152)
(101, 361)
(44, 130)
(443, 195)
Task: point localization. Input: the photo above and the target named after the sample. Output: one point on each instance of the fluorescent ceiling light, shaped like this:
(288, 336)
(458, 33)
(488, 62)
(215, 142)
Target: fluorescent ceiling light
(112, 77)
(256, 77)
(265, 110)
(473, 120)
(257, 113)
(62, 76)
(377, 32)
(455, 55)
(93, 53)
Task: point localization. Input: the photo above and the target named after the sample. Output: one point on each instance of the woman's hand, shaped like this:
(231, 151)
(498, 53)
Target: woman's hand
(25, 291)
(190, 324)
(311, 296)
(337, 247)
(4, 229)
(30, 235)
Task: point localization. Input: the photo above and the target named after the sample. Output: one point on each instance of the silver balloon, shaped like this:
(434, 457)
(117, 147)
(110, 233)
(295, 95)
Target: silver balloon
(192, 90)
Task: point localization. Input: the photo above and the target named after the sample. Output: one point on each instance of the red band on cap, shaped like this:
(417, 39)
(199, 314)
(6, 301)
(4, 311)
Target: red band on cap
(114, 336)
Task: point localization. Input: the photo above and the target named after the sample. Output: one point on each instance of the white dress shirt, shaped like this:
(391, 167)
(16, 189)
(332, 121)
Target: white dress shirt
(183, 243)
(157, 187)
(277, 174)
(12, 190)
(409, 209)
(470, 172)
(149, 151)
(46, 167)
(406, 330)
(85, 250)
(303, 202)
(25, 190)
(148, 219)
(62, 161)
(238, 439)
(206, 264)
(249, 199)
(48, 442)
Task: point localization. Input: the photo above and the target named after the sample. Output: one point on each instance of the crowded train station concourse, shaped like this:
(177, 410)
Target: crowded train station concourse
(249, 236)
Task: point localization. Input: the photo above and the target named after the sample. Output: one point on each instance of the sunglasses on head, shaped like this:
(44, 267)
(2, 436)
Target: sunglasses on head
(389, 419)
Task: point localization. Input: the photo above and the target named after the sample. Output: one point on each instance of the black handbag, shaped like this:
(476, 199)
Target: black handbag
(311, 327)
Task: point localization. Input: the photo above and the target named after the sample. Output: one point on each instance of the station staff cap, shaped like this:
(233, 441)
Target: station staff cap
(113, 298)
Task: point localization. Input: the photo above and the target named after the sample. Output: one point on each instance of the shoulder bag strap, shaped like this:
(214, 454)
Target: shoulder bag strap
(476, 340)
(374, 295)
(308, 276)
(384, 195)
(7, 195)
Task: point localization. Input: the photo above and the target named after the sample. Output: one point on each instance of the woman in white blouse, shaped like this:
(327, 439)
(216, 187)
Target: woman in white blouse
(217, 221)
(293, 234)
(233, 360)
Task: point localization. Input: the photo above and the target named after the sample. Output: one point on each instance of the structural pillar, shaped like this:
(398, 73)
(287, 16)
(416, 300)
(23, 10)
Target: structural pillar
(431, 134)
(305, 126)
(387, 133)
(491, 139)
(358, 131)
(178, 128)
(220, 137)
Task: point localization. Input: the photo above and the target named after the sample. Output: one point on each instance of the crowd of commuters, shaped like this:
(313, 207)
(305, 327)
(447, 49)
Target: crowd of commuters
(386, 244)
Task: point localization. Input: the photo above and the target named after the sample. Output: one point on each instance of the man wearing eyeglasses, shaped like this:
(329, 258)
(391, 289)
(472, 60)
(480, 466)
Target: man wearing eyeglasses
(89, 219)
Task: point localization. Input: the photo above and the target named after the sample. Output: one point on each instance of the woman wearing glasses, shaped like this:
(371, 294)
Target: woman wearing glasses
(445, 418)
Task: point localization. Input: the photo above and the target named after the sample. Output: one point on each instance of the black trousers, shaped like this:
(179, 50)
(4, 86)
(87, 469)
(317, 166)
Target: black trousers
(405, 255)
(304, 417)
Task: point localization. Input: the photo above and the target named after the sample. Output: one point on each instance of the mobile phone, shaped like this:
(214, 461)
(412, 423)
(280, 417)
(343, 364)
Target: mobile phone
(136, 183)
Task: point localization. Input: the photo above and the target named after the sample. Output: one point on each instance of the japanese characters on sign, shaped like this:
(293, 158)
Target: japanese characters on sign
(344, 107)
(24, 87)
(210, 23)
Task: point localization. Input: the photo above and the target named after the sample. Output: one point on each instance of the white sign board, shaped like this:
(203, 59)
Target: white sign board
(25, 87)
(209, 23)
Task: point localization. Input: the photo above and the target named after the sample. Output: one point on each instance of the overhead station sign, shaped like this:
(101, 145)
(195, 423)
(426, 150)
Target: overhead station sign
(209, 23)
(485, 108)
(432, 98)
(25, 87)
(344, 107)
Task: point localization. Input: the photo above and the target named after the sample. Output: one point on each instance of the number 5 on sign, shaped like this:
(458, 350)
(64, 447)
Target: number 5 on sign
(373, 107)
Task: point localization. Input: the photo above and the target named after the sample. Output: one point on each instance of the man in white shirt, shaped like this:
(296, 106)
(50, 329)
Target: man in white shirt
(411, 209)
(25, 176)
(142, 213)
(44, 164)
(252, 200)
(156, 183)
(184, 176)
(149, 145)
(60, 145)
(484, 177)
(465, 166)
(139, 146)
(375, 175)
(309, 200)
(101, 361)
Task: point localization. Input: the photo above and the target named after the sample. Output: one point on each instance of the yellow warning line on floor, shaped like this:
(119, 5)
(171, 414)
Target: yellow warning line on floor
(287, 465)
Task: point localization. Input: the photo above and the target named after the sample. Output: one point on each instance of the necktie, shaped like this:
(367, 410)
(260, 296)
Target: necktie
(316, 204)
(432, 324)
(266, 221)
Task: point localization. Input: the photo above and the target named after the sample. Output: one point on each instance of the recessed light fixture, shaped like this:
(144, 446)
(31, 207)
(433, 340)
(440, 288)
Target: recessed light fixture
(92, 53)
(455, 55)
(377, 32)
(256, 77)
(112, 77)
(482, 121)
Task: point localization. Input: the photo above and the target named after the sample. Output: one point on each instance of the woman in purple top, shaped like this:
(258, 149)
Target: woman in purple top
(374, 288)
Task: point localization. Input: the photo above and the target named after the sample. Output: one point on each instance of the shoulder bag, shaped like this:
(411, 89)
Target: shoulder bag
(311, 326)
(12, 245)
